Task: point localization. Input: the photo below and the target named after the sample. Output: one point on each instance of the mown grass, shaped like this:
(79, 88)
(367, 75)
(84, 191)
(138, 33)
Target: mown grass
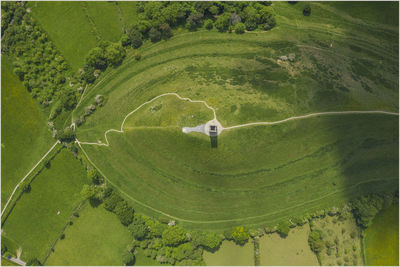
(263, 174)
(230, 254)
(97, 237)
(269, 172)
(292, 250)
(25, 136)
(381, 241)
(34, 224)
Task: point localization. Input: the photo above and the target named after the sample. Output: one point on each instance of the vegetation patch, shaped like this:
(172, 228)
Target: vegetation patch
(230, 254)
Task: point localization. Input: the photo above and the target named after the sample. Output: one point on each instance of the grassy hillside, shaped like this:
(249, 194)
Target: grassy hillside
(25, 137)
(34, 223)
(258, 175)
(96, 238)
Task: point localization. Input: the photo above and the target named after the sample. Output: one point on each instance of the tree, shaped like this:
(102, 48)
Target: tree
(173, 236)
(183, 251)
(208, 24)
(307, 10)
(96, 58)
(315, 241)
(214, 10)
(128, 258)
(251, 17)
(283, 228)
(240, 235)
(114, 54)
(234, 19)
(222, 23)
(34, 262)
(138, 56)
(166, 31)
(206, 239)
(125, 40)
(239, 28)
(154, 35)
(111, 202)
(365, 209)
(194, 21)
(66, 135)
(135, 37)
(124, 212)
(138, 230)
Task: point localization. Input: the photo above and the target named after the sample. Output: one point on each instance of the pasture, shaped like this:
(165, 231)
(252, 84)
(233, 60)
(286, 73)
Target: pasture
(96, 238)
(25, 137)
(268, 172)
(34, 223)
(292, 250)
(230, 254)
(381, 241)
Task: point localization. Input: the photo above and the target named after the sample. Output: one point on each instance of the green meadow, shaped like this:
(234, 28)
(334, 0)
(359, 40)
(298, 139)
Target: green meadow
(230, 254)
(95, 238)
(269, 172)
(381, 241)
(34, 223)
(25, 137)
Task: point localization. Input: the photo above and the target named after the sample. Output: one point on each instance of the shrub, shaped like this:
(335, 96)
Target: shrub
(183, 251)
(26, 187)
(307, 10)
(240, 235)
(62, 236)
(166, 31)
(239, 28)
(125, 40)
(135, 37)
(93, 176)
(222, 23)
(138, 56)
(128, 258)
(206, 239)
(283, 228)
(208, 24)
(315, 241)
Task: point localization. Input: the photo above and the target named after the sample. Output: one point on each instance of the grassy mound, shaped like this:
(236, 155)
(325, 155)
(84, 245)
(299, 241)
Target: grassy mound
(25, 137)
(257, 175)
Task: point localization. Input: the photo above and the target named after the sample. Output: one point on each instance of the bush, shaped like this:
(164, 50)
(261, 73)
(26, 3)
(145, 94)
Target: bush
(166, 31)
(128, 258)
(26, 187)
(239, 28)
(138, 56)
(124, 212)
(111, 202)
(240, 235)
(154, 35)
(315, 241)
(135, 37)
(62, 236)
(125, 40)
(208, 24)
(283, 229)
(307, 10)
(206, 239)
(93, 176)
(173, 236)
(222, 23)
(138, 230)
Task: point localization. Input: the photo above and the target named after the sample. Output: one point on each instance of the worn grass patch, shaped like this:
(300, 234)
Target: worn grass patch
(230, 254)
(292, 250)
(34, 224)
(381, 241)
(25, 137)
(97, 237)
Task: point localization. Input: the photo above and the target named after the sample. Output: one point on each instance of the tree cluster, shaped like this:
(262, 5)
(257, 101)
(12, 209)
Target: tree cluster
(365, 208)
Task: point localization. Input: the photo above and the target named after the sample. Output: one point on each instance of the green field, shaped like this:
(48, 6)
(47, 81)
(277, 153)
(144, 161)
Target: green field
(269, 172)
(34, 224)
(96, 238)
(292, 250)
(381, 241)
(25, 137)
(230, 254)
